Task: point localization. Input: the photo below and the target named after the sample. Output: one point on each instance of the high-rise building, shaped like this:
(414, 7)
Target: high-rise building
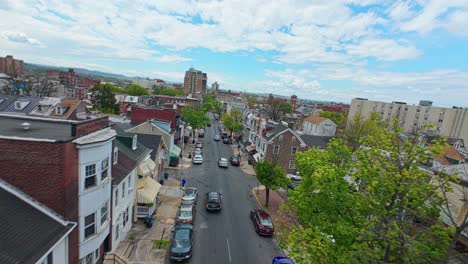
(293, 101)
(214, 87)
(447, 122)
(11, 66)
(195, 83)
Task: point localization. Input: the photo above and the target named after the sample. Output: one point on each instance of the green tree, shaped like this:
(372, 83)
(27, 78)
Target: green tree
(168, 92)
(359, 128)
(195, 117)
(135, 90)
(251, 100)
(285, 108)
(233, 120)
(362, 205)
(272, 176)
(103, 97)
(338, 118)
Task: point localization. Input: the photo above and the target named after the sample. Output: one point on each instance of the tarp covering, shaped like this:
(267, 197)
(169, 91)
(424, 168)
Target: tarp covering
(143, 169)
(150, 164)
(175, 151)
(147, 194)
(250, 148)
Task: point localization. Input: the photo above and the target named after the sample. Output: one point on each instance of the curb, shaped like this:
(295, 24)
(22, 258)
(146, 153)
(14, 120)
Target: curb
(256, 198)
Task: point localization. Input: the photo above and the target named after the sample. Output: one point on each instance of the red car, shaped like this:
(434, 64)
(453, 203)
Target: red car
(262, 222)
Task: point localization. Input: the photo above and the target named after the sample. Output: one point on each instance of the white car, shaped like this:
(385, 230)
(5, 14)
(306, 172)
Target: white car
(294, 177)
(197, 159)
(197, 151)
(223, 162)
(190, 196)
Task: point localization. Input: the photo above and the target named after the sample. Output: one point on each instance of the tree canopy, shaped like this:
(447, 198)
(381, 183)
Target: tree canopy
(233, 120)
(135, 90)
(103, 97)
(363, 202)
(195, 117)
(168, 91)
(338, 118)
(270, 175)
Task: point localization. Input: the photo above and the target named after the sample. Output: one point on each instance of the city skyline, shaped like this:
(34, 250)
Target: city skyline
(331, 50)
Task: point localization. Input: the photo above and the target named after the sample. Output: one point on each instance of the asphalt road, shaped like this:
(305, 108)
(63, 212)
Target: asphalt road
(227, 236)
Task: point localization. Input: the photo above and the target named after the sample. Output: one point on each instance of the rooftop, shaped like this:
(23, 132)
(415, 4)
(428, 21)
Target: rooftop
(315, 119)
(123, 167)
(28, 232)
(40, 129)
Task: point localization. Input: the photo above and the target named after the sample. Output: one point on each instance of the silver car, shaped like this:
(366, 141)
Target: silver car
(217, 137)
(190, 196)
(223, 162)
(197, 159)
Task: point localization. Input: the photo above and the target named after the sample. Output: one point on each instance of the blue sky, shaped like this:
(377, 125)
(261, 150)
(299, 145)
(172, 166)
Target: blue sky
(322, 49)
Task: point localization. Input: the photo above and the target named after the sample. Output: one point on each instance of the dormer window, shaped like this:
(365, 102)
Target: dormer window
(116, 155)
(59, 110)
(20, 105)
(39, 108)
(134, 143)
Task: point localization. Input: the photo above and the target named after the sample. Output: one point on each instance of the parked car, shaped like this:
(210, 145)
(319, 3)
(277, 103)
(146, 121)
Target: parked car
(197, 159)
(197, 151)
(214, 201)
(282, 260)
(201, 133)
(235, 161)
(185, 214)
(294, 177)
(199, 144)
(262, 222)
(226, 140)
(190, 196)
(181, 246)
(251, 160)
(223, 162)
(209, 124)
(217, 137)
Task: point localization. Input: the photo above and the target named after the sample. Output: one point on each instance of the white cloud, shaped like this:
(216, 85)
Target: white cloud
(172, 59)
(383, 49)
(20, 38)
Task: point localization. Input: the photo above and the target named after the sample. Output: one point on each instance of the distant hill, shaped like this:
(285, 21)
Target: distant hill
(80, 71)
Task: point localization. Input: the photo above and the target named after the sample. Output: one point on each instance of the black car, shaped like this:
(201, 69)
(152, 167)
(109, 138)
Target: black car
(226, 140)
(214, 201)
(181, 247)
(235, 161)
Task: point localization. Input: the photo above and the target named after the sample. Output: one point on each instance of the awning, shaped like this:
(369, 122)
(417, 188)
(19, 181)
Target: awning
(175, 151)
(250, 148)
(256, 157)
(143, 169)
(150, 164)
(147, 194)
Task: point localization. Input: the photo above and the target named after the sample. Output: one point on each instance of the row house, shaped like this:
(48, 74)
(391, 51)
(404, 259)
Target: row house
(65, 165)
(45, 241)
(318, 126)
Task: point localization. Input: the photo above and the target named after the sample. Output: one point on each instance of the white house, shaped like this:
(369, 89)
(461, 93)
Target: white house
(94, 190)
(318, 126)
(123, 195)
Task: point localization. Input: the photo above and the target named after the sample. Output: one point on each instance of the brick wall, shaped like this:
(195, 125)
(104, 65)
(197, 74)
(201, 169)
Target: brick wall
(141, 115)
(286, 144)
(49, 173)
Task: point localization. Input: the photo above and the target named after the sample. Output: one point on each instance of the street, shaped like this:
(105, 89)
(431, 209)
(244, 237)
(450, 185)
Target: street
(227, 236)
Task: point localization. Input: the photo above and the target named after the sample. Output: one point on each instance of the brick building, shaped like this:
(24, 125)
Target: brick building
(72, 80)
(11, 66)
(195, 83)
(64, 164)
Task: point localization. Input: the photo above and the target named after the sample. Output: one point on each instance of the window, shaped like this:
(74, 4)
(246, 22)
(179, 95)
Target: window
(90, 176)
(293, 150)
(116, 197)
(90, 225)
(134, 142)
(293, 139)
(49, 259)
(281, 137)
(292, 165)
(96, 255)
(117, 231)
(88, 259)
(123, 190)
(104, 169)
(129, 184)
(104, 213)
(125, 217)
(116, 155)
(276, 149)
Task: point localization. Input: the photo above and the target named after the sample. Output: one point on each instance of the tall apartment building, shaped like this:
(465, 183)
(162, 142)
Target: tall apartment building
(195, 83)
(11, 66)
(448, 122)
(214, 87)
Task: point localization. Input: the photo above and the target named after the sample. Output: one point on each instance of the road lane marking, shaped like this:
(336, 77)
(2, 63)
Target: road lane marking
(229, 250)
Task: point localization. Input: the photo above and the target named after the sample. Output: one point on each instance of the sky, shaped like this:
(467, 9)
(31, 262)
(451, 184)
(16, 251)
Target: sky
(334, 50)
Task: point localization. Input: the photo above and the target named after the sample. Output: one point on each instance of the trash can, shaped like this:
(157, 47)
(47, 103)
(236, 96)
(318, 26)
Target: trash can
(166, 175)
(149, 221)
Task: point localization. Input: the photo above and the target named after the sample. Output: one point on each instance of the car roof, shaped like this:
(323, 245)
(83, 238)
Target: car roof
(262, 214)
(183, 226)
(213, 195)
(198, 156)
(190, 190)
(186, 207)
(223, 159)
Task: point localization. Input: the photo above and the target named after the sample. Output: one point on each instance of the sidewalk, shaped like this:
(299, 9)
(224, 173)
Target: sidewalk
(137, 247)
(244, 164)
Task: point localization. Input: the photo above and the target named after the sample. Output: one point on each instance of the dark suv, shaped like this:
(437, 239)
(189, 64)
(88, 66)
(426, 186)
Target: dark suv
(214, 201)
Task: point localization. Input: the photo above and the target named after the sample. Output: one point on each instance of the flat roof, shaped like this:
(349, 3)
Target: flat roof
(40, 129)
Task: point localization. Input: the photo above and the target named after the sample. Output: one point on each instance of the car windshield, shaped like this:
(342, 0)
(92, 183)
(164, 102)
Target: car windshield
(189, 193)
(235, 159)
(223, 160)
(266, 222)
(185, 214)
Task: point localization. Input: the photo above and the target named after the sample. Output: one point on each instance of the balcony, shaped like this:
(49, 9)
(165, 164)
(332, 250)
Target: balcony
(145, 210)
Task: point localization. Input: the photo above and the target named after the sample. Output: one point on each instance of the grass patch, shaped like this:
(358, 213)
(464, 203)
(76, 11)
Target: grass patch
(160, 244)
